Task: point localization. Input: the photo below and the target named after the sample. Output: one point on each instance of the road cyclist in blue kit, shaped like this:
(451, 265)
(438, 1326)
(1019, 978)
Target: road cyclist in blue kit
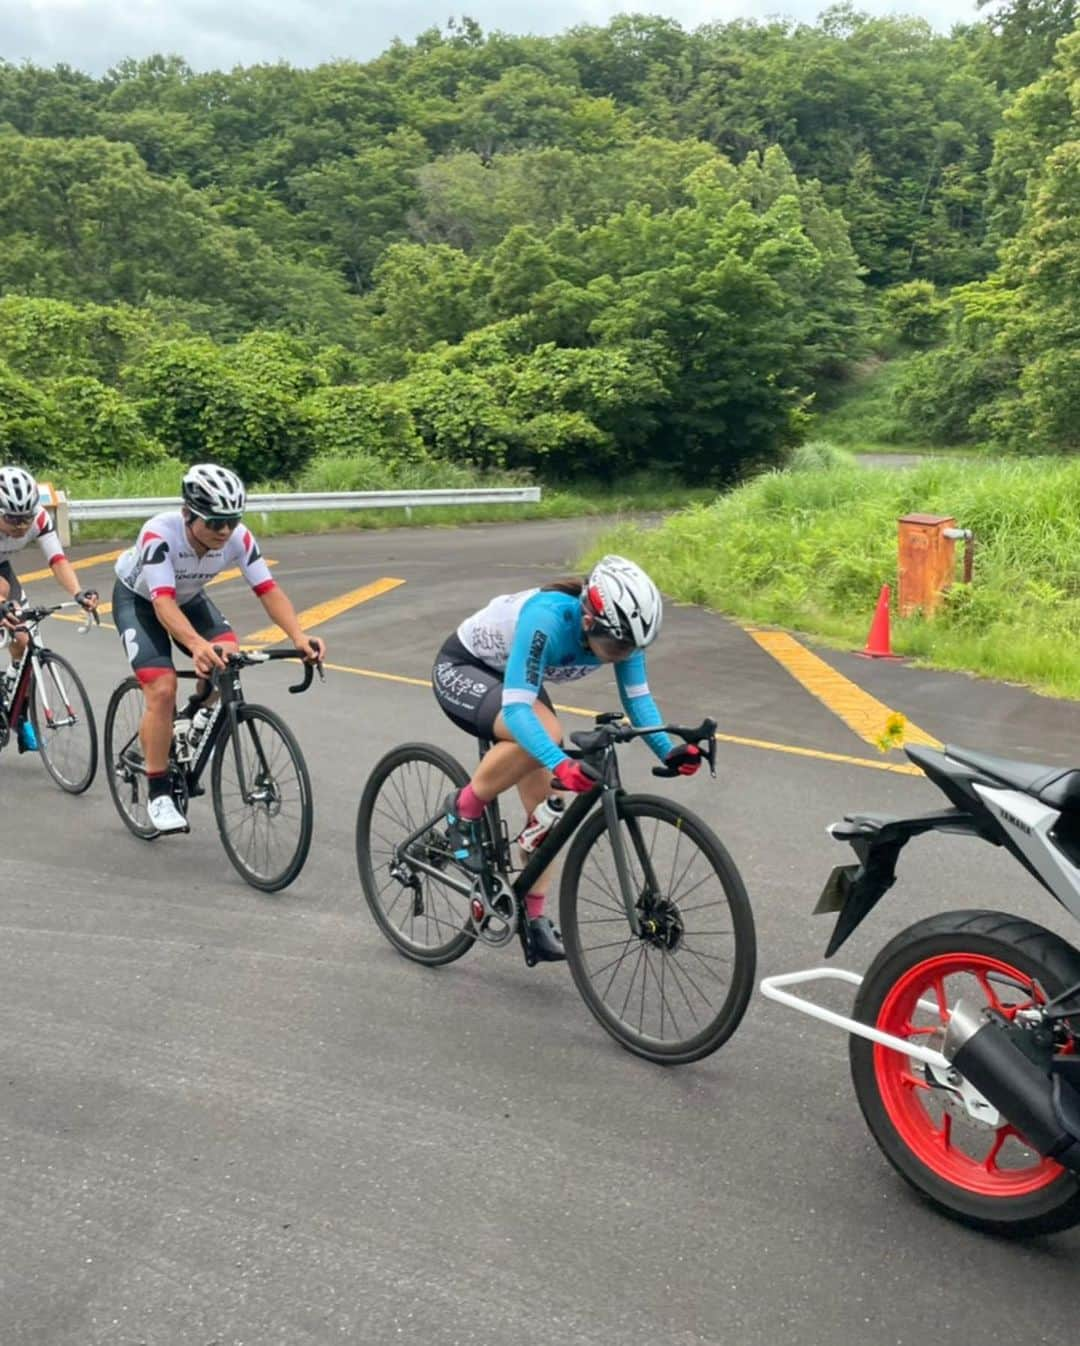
(489, 679)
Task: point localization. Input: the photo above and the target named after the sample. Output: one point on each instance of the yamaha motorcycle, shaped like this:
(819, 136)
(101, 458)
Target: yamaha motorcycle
(965, 1030)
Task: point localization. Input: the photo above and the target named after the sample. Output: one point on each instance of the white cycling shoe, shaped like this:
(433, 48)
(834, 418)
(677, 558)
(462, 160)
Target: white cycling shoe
(165, 816)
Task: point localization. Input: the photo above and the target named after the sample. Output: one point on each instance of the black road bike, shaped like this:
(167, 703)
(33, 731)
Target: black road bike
(49, 694)
(658, 928)
(258, 777)
(965, 1031)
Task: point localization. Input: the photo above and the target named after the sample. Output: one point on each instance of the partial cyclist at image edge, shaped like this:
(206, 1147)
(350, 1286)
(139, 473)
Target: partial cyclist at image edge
(489, 678)
(159, 601)
(23, 520)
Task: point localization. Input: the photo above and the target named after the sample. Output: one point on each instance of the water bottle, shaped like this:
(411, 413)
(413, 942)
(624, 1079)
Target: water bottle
(540, 822)
(181, 742)
(201, 719)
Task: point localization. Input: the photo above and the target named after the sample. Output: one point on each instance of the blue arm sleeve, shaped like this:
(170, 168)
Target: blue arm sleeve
(535, 634)
(633, 684)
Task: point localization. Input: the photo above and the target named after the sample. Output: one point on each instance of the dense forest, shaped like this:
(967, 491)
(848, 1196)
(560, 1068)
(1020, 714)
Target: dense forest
(626, 245)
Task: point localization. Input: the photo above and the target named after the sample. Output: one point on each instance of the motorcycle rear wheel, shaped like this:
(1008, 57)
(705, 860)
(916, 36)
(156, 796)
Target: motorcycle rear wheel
(986, 1177)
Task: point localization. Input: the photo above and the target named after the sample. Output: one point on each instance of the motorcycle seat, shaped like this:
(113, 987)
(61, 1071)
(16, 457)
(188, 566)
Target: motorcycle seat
(1054, 785)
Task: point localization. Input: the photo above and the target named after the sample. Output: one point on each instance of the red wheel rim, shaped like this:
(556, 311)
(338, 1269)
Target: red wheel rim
(905, 1092)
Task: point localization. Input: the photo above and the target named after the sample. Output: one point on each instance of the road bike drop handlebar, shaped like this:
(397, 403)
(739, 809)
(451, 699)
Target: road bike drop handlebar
(28, 617)
(611, 728)
(235, 660)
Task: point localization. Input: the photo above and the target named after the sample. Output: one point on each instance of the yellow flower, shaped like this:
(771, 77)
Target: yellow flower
(892, 736)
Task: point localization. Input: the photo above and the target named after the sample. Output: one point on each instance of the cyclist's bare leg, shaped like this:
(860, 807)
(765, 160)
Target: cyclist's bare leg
(155, 731)
(514, 766)
(507, 763)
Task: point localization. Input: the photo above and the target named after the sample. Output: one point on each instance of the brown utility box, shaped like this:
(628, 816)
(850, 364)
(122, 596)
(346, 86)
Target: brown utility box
(927, 562)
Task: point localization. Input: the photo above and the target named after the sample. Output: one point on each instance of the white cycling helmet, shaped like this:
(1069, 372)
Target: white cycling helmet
(19, 492)
(213, 492)
(625, 602)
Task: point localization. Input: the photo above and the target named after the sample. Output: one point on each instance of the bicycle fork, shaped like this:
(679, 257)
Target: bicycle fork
(610, 805)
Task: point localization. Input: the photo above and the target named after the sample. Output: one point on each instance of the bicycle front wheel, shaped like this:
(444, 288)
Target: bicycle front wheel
(263, 801)
(64, 723)
(125, 767)
(421, 915)
(677, 991)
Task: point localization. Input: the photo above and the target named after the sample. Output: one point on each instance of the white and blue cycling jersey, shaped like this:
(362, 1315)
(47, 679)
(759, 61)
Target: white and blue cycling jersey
(536, 636)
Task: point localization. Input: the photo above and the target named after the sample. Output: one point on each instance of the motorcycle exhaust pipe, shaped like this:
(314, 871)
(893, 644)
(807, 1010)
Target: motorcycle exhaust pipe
(1045, 1109)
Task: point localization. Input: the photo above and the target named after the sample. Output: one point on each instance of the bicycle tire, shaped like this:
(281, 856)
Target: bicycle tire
(114, 768)
(709, 1036)
(430, 955)
(248, 714)
(75, 689)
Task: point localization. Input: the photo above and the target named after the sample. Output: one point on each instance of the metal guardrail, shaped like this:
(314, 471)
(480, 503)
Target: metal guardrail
(83, 511)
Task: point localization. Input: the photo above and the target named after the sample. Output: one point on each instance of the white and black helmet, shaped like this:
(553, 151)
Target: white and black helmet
(18, 492)
(625, 602)
(213, 492)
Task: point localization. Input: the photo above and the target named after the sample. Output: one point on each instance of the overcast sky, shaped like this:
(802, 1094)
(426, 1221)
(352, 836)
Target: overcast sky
(94, 34)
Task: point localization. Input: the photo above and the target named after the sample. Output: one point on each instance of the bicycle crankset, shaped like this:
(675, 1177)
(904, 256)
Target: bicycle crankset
(494, 910)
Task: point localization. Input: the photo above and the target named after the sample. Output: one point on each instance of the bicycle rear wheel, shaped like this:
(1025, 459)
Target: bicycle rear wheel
(425, 919)
(265, 819)
(125, 767)
(63, 720)
(679, 990)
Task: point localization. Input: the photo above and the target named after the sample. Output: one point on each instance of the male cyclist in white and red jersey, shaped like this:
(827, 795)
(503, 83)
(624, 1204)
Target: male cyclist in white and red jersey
(22, 521)
(159, 600)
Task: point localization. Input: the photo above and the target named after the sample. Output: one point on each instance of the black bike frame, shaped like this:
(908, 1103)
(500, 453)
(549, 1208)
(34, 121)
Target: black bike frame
(225, 720)
(610, 794)
(227, 683)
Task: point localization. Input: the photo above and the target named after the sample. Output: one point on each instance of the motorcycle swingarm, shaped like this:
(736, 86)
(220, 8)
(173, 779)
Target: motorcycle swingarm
(852, 891)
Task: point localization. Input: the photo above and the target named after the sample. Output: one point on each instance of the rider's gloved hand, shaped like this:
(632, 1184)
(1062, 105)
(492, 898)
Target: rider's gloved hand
(574, 776)
(684, 759)
(88, 599)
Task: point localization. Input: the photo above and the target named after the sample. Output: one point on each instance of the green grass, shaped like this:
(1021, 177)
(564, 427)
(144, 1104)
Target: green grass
(809, 549)
(863, 417)
(634, 495)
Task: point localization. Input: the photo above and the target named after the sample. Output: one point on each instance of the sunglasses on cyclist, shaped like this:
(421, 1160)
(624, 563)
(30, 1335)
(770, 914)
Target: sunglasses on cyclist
(220, 522)
(17, 520)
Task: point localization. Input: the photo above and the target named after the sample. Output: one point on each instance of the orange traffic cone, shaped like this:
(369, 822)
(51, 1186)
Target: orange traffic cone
(877, 642)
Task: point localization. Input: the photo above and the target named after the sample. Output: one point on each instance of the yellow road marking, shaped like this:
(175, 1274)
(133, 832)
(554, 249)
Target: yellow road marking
(79, 565)
(323, 612)
(864, 714)
(763, 744)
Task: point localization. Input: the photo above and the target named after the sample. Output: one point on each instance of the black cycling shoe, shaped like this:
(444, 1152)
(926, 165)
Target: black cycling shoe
(464, 836)
(546, 940)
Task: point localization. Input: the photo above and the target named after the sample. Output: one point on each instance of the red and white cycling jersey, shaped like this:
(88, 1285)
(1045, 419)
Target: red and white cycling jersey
(163, 562)
(40, 531)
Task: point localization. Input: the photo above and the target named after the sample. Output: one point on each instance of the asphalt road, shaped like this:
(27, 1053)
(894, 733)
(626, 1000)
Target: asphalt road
(233, 1118)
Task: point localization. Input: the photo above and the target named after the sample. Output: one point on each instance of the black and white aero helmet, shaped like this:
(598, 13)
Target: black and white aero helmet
(18, 491)
(213, 491)
(625, 602)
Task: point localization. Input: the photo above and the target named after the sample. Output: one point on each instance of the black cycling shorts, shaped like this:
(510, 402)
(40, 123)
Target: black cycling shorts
(15, 589)
(468, 691)
(146, 642)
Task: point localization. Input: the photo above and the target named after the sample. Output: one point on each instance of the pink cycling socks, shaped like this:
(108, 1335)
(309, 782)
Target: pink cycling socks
(534, 905)
(470, 805)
